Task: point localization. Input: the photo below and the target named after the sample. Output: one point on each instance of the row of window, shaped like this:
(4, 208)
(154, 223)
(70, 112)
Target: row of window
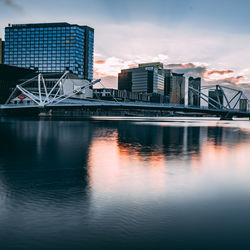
(66, 43)
(45, 50)
(44, 64)
(49, 46)
(71, 51)
(39, 29)
(44, 39)
(45, 67)
(46, 55)
(45, 59)
(36, 39)
(81, 34)
(73, 54)
(48, 69)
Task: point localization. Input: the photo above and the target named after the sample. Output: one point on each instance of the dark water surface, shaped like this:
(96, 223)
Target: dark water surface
(124, 184)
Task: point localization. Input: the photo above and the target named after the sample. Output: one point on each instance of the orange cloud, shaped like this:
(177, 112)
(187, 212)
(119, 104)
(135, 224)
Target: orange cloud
(231, 80)
(219, 72)
(98, 74)
(100, 61)
(108, 81)
(107, 69)
(130, 66)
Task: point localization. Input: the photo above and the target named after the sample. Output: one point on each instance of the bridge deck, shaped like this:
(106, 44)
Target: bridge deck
(74, 103)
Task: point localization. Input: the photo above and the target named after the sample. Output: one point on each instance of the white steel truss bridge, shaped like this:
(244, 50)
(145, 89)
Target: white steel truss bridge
(224, 103)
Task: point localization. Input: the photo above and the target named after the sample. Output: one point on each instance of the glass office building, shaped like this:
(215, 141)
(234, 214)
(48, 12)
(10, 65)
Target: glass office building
(147, 78)
(51, 47)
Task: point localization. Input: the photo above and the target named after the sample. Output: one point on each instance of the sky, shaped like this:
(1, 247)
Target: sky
(203, 38)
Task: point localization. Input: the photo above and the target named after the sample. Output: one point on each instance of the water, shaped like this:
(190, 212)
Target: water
(116, 183)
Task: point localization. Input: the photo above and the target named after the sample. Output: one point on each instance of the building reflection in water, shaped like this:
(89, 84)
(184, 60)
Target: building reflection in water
(44, 161)
(89, 153)
(73, 182)
(157, 158)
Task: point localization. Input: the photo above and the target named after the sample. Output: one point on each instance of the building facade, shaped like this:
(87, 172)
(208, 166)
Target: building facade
(125, 80)
(51, 47)
(193, 96)
(153, 78)
(168, 82)
(10, 76)
(174, 87)
(147, 78)
(215, 99)
(1, 51)
(243, 106)
(124, 95)
(177, 89)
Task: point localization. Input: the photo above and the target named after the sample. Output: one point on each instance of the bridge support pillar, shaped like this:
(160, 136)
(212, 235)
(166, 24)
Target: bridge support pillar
(45, 113)
(225, 118)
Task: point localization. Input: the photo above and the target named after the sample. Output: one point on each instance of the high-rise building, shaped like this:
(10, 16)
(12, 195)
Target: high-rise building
(10, 76)
(174, 87)
(153, 78)
(177, 89)
(147, 78)
(168, 82)
(51, 47)
(215, 98)
(125, 80)
(193, 96)
(243, 104)
(1, 51)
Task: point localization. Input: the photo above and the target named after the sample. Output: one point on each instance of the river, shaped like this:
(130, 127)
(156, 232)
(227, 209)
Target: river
(124, 183)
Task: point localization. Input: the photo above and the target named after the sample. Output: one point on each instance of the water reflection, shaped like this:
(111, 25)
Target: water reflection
(120, 183)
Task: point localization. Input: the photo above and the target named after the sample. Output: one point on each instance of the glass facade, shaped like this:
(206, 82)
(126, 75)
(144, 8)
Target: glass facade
(90, 53)
(144, 79)
(1, 51)
(54, 47)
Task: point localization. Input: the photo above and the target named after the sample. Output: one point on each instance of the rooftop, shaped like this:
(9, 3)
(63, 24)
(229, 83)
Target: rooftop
(45, 25)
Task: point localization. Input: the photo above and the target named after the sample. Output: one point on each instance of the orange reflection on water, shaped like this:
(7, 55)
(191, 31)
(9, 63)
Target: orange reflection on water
(153, 164)
(111, 165)
(221, 158)
(117, 166)
(103, 163)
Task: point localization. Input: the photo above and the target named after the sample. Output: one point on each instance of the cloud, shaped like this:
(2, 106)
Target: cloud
(12, 4)
(230, 80)
(100, 62)
(219, 72)
(209, 76)
(131, 66)
(108, 69)
(245, 85)
(110, 66)
(181, 66)
(189, 69)
(106, 81)
(215, 57)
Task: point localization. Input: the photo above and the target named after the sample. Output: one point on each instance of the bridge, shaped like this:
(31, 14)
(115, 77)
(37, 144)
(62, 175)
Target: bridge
(48, 100)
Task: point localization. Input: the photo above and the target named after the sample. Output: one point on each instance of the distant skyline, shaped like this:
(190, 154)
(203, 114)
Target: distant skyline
(203, 38)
